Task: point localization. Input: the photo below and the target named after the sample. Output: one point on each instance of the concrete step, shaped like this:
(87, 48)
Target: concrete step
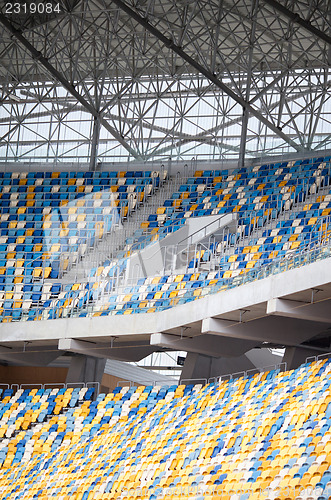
(112, 243)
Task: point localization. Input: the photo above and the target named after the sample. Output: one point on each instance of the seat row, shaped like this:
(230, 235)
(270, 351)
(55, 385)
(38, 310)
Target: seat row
(266, 435)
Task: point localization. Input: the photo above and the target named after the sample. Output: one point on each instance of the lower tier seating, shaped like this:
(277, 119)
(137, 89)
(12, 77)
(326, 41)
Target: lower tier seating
(261, 436)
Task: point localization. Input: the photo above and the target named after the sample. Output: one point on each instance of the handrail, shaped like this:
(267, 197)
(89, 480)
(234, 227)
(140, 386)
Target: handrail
(193, 380)
(38, 308)
(68, 385)
(33, 386)
(204, 228)
(298, 258)
(54, 385)
(247, 373)
(301, 258)
(133, 383)
(126, 381)
(324, 355)
(304, 188)
(311, 359)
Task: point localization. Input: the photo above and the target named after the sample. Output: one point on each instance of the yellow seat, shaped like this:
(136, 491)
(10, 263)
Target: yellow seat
(37, 272)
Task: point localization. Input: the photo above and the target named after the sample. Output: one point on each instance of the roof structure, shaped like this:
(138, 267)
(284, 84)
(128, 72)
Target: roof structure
(100, 80)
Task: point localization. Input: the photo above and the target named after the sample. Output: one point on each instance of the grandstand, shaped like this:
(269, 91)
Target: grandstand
(165, 249)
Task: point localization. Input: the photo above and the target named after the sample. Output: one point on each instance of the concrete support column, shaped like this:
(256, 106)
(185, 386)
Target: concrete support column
(199, 366)
(295, 356)
(86, 369)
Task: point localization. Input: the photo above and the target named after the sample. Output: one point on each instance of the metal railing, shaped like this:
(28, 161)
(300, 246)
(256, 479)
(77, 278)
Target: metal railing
(118, 282)
(302, 190)
(96, 305)
(248, 373)
(312, 359)
(132, 383)
(54, 385)
(204, 380)
(297, 259)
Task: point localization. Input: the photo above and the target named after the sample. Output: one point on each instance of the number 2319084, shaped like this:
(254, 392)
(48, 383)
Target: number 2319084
(32, 8)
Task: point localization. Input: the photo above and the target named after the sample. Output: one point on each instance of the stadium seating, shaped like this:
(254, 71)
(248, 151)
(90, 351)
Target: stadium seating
(265, 190)
(265, 435)
(45, 214)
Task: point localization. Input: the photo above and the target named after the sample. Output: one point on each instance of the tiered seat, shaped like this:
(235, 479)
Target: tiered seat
(262, 436)
(77, 207)
(48, 219)
(301, 230)
(42, 214)
(266, 190)
(25, 413)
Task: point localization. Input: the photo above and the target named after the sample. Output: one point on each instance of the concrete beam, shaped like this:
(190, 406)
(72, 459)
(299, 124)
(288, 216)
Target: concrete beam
(297, 283)
(29, 355)
(279, 330)
(208, 345)
(320, 311)
(119, 352)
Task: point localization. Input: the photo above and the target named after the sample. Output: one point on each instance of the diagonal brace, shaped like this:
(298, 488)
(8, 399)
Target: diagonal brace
(298, 20)
(204, 71)
(64, 82)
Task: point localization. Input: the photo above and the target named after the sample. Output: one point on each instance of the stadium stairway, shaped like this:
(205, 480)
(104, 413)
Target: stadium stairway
(113, 243)
(265, 435)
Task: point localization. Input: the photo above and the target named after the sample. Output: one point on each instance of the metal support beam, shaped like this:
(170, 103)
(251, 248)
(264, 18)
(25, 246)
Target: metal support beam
(64, 82)
(243, 138)
(95, 143)
(204, 71)
(320, 311)
(298, 20)
(244, 122)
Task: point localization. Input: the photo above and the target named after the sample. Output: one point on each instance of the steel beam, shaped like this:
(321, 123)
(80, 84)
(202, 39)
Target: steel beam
(244, 123)
(299, 20)
(169, 43)
(95, 144)
(64, 82)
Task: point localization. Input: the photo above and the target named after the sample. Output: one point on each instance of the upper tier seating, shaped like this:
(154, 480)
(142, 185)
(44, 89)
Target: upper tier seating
(265, 189)
(45, 214)
(262, 436)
